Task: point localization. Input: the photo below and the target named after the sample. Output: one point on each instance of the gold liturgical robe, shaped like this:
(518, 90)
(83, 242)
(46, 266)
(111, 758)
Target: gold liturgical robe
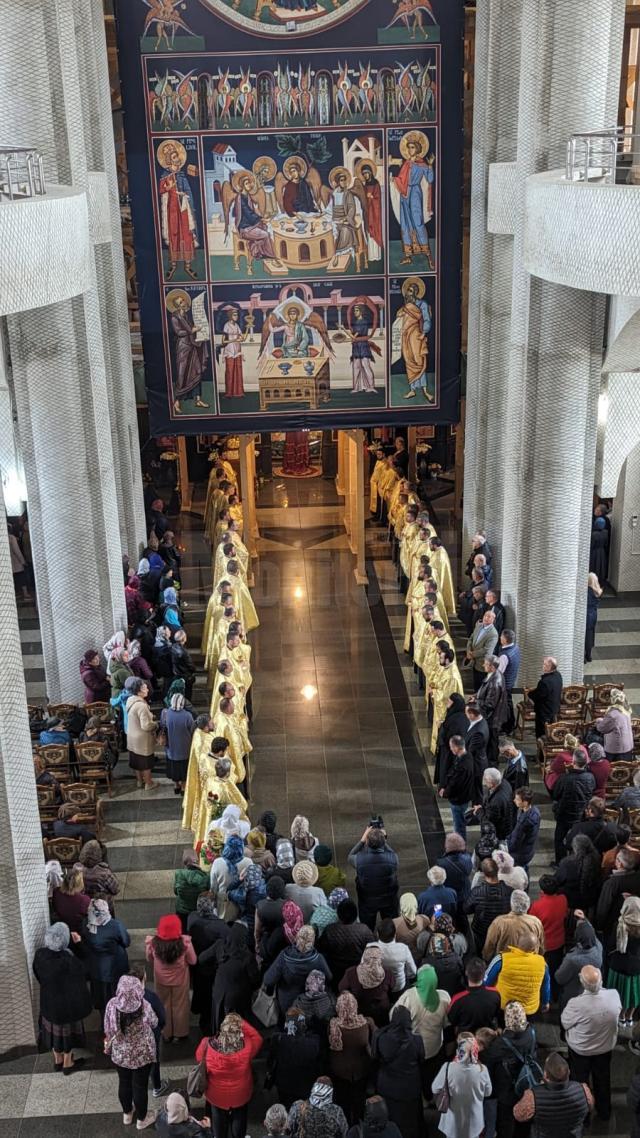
(441, 566)
(220, 560)
(448, 682)
(237, 736)
(408, 539)
(218, 502)
(373, 484)
(217, 643)
(216, 794)
(431, 663)
(244, 603)
(200, 744)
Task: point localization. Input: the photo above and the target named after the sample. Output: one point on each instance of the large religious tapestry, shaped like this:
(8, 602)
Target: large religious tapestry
(295, 181)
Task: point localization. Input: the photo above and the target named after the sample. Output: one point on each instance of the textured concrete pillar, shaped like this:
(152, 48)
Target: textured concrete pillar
(23, 898)
(61, 395)
(543, 394)
(495, 104)
(624, 559)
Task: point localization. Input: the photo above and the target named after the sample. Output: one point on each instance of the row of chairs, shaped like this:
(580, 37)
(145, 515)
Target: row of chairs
(64, 850)
(575, 705)
(88, 764)
(553, 742)
(82, 794)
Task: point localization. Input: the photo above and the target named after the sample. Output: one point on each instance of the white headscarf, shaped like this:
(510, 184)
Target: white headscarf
(143, 567)
(97, 914)
(628, 922)
(118, 640)
(54, 876)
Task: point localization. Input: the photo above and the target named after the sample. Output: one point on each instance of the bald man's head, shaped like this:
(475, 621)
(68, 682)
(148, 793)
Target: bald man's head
(591, 978)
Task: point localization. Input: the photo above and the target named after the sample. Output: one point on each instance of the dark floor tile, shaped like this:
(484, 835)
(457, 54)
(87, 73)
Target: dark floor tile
(25, 1065)
(144, 914)
(9, 1127)
(56, 1126)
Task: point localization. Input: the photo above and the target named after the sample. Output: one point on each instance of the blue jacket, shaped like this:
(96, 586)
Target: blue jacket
(59, 737)
(438, 895)
(521, 842)
(495, 968)
(458, 867)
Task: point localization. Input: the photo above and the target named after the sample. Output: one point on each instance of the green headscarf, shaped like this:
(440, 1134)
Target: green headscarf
(426, 984)
(177, 688)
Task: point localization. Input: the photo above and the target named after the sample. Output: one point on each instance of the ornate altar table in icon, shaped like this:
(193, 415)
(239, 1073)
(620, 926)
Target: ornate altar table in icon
(303, 244)
(303, 381)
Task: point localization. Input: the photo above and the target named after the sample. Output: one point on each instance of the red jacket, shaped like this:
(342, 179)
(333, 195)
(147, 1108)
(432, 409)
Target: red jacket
(552, 911)
(229, 1077)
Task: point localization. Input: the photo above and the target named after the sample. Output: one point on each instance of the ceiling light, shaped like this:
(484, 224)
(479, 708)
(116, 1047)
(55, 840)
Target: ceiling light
(308, 691)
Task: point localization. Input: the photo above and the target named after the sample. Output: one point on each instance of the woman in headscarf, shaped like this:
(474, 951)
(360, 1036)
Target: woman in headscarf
(236, 975)
(250, 891)
(149, 580)
(295, 1057)
(316, 1003)
(268, 928)
(118, 670)
(285, 861)
(615, 726)
(256, 846)
(94, 677)
(594, 592)
(268, 821)
(319, 1116)
(513, 875)
(599, 549)
(350, 1037)
(64, 998)
(188, 883)
(289, 971)
(183, 666)
(410, 924)
(321, 918)
(225, 875)
(586, 950)
(118, 640)
(371, 984)
(205, 929)
(427, 1004)
(302, 839)
(176, 1122)
(98, 876)
(455, 722)
(138, 664)
(447, 963)
(161, 657)
(129, 1039)
(469, 1083)
(228, 1057)
(376, 1123)
(179, 724)
(329, 875)
(275, 1121)
(169, 612)
(399, 1053)
(579, 874)
(54, 876)
(104, 945)
(336, 897)
(504, 1058)
(624, 961)
(444, 925)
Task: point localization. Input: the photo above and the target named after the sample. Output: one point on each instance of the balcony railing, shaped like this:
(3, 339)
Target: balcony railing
(21, 173)
(609, 157)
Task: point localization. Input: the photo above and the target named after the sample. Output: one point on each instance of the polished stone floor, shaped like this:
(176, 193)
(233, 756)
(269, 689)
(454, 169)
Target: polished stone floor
(339, 733)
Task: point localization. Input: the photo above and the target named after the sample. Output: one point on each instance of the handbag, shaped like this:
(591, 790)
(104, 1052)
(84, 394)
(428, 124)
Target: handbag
(197, 1079)
(265, 1008)
(442, 1098)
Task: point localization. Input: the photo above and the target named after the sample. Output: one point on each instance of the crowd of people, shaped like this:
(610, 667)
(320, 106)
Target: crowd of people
(364, 1002)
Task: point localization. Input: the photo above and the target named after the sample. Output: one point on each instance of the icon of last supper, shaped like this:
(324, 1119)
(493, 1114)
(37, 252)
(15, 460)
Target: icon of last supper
(295, 205)
(300, 346)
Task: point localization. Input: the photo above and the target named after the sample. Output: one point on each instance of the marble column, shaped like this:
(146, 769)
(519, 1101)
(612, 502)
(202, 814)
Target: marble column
(24, 914)
(535, 429)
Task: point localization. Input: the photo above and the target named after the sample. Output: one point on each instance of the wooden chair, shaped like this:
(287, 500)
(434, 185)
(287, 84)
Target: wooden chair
(34, 711)
(620, 777)
(47, 808)
(612, 814)
(62, 710)
(92, 766)
(64, 850)
(573, 702)
(634, 825)
(525, 713)
(56, 757)
(85, 796)
(601, 698)
(552, 743)
(635, 727)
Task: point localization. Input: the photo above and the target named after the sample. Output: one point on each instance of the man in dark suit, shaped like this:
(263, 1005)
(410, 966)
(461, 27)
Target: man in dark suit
(492, 604)
(545, 697)
(459, 785)
(476, 741)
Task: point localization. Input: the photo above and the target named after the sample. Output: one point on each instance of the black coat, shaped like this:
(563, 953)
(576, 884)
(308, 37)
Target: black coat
(611, 899)
(497, 808)
(455, 722)
(546, 700)
(64, 996)
(570, 795)
(601, 832)
(503, 1066)
(183, 666)
(492, 701)
(460, 782)
(293, 1064)
(476, 743)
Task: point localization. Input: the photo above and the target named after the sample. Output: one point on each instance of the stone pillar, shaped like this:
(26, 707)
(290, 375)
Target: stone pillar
(62, 401)
(340, 477)
(533, 420)
(247, 494)
(24, 914)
